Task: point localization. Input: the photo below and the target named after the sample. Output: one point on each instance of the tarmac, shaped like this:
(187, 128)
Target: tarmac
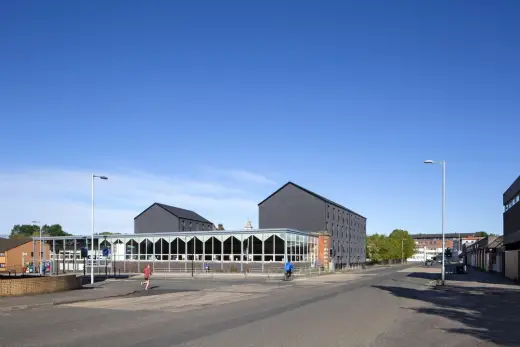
(384, 307)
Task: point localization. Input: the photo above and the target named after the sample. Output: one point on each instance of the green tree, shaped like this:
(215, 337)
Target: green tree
(108, 233)
(220, 227)
(481, 234)
(394, 246)
(54, 230)
(24, 230)
(29, 230)
(403, 244)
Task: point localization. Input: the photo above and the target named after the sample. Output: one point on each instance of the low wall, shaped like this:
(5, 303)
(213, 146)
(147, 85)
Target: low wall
(38, 285)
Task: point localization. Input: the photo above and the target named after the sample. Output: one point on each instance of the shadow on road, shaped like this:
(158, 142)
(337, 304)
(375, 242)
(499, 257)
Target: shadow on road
(490, 314)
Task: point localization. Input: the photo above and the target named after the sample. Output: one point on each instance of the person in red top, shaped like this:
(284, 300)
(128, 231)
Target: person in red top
(147, 273)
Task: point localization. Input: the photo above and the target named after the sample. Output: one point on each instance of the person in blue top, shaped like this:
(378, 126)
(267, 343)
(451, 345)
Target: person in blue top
(289, 268)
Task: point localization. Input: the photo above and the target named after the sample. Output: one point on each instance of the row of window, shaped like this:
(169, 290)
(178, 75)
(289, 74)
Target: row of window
(342, 231)
(188, 226)
(354, 220)
(512, 202)
(2, 265)
(2, 254)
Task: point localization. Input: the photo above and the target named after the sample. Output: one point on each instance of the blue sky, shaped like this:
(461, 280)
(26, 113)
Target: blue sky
(213, 105)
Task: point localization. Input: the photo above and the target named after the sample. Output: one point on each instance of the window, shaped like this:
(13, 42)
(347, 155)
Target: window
(190, 226)
(512, 202)
(2, 265)
(32, 254)
(2, 254)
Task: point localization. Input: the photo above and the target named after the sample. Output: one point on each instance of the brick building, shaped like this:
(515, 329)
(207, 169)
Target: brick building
(15, 252)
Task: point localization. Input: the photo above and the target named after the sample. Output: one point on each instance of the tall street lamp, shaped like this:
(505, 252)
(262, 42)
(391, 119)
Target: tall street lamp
(92, 255)
(402, 251)
(443, 164)
(40, 225)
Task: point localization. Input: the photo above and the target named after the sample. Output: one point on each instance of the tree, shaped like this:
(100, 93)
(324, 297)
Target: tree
(28, 230)
(481, 234)
(220, 227)
(398, 244)
(54, 230)
(108, 233)
(403, 244)
(24, 230)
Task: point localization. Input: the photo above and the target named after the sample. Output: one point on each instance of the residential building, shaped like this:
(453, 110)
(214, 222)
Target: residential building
(486, 254)
(161, 218)
(15, 253)
(295, 207)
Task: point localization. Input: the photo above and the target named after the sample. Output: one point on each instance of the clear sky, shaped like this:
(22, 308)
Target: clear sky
(212, 105)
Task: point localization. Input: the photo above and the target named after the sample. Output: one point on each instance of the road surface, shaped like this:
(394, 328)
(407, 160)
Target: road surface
(391, 307)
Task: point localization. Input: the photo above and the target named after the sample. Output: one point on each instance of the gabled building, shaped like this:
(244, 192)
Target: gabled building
(15, 253)
(295, 207)
(161, 218)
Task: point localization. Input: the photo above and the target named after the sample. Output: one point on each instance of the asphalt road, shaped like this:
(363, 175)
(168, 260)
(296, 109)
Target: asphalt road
(388, 307)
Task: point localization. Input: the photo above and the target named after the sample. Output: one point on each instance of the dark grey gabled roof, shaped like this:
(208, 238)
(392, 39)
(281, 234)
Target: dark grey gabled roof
(179, 213)
(311, 193)
(7, 244)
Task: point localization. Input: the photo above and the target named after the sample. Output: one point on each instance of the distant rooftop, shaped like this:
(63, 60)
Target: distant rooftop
(439, 236)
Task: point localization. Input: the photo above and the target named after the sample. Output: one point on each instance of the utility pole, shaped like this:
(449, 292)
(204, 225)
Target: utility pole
(402, 251)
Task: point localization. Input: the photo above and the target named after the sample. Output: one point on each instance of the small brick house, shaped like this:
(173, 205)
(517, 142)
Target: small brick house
(12, 253)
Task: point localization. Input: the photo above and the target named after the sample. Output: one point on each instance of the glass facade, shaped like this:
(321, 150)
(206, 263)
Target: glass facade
(239, 250)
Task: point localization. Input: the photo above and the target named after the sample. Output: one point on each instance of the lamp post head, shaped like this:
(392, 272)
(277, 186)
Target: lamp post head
(429, 161)
(103, 177)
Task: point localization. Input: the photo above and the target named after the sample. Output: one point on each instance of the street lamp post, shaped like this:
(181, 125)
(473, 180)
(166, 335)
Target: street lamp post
(40, 265)
(92, 240)
(402, 251)
(443, 164)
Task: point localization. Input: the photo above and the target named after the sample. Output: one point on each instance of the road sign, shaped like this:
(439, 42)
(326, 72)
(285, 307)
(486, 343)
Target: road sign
(106, 252)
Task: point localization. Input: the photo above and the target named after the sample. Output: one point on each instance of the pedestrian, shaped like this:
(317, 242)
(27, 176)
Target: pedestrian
(147, 273)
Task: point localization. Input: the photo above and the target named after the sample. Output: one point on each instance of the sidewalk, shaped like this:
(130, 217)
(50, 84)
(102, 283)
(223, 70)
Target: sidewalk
(480, 280)
(102, 290)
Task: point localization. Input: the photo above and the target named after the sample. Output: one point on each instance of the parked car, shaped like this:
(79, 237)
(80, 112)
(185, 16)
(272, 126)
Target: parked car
(428, 262)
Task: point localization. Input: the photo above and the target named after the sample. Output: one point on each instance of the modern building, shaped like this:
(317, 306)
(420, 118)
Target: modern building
(295, 207)
(511, 216)
(15, 253)
(220, 250)
(161, 218)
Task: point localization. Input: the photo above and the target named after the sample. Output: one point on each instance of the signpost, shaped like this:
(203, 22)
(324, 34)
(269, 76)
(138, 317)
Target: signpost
(106, 253)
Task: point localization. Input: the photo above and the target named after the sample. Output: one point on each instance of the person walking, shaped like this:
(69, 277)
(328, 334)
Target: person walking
(147, 273)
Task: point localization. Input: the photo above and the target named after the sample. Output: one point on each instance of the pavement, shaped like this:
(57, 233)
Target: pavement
(391, 307)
